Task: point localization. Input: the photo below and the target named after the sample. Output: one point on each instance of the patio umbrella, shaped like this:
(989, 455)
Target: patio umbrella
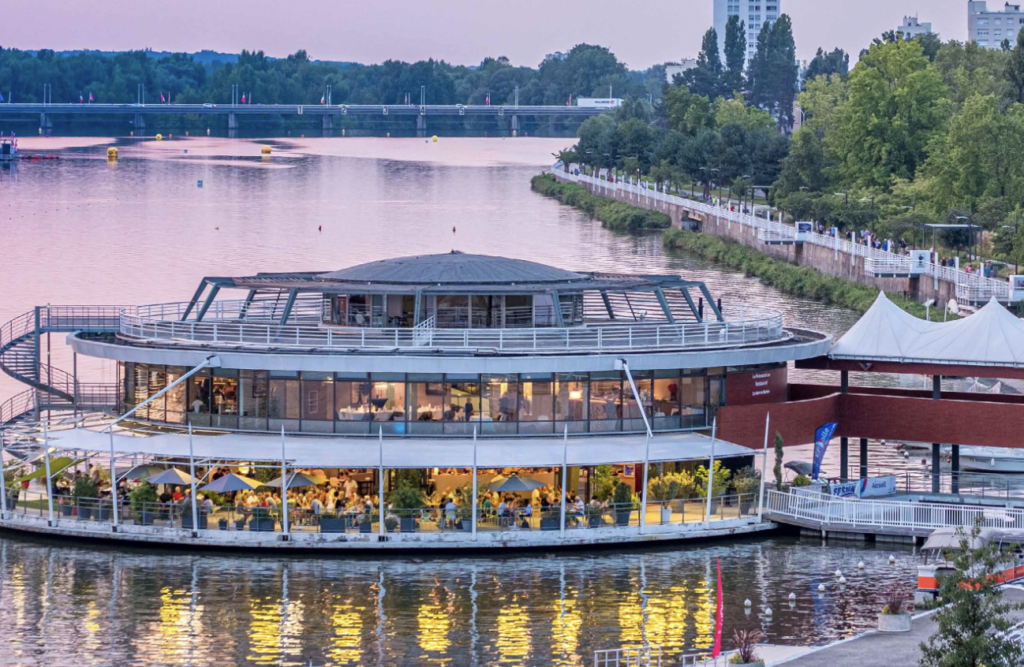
(171, 476)
(800, 467)
(296, 480)
(146, 470)
(231, 482)
(514, 483)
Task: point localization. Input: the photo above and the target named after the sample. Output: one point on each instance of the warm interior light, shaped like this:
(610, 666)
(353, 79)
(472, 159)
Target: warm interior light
(380, 386)
(575, 395)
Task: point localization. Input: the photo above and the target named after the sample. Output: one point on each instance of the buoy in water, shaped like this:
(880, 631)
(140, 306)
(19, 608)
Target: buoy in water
(839, 573)
(792, 596)
(746, 603)
(265, 150)
(186, 133)
(860, 565)
(131, 133)
(111, 153)
(199, 184)
(906, 455)
(207, 131)
(821, 588)
(892, 559)
(434, 138)
(842, 580)
(388, 135)
(767, 611)
(159, 137)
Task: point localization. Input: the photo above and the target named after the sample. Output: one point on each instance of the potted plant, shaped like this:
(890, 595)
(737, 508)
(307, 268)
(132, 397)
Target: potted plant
(894, 617)
(747, 486)
(593, 513)
(331, 522)
(102, 511)
(407, 500)
(85, 493)
(262, 521)
(603, 483)
(801, 480)
(746, 646)
(625, 503)
(185, 510)
(222, 523)
(663, 489)
(719, 483)
(391, 524)
(142, 500)
(240, 523)
(366, 522)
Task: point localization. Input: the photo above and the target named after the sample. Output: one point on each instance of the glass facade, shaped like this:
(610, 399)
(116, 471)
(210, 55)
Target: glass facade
(425, 405)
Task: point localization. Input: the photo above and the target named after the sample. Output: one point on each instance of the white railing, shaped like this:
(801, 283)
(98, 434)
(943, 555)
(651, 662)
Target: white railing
(894, 265)
(640, 656)
(422, 331)
(826, 510)
(971, 287)
(751, 327)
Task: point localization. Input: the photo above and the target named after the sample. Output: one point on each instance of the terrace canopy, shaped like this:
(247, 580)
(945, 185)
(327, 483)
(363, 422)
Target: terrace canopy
(333, 452)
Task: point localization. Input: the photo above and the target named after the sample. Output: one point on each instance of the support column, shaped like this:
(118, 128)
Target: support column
(328, 125)
(515, 125)
(955, 469)
(421, 125)
(844, 442)
(936, 448)
(232, 126)
(863, 458)
(140, 123)
(45, 122)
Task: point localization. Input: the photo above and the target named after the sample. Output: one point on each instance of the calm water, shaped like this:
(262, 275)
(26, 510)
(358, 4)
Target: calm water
(80, 230)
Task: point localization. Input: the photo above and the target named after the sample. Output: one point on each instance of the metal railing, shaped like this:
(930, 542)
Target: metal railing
(639, 656)
(888, 514)
(970, 287)
(751, 327)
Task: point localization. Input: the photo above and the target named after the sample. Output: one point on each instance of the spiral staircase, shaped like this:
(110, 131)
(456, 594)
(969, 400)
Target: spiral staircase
(52, 388)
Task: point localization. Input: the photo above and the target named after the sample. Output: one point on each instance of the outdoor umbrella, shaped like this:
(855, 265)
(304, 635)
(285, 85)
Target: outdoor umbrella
(231, 482)
(297, 479)
(138, 472)
(171, 476)
(800, 467)
(514, 483)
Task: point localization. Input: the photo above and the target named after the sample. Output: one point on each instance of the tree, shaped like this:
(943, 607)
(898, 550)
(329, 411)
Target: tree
(774, 72)
(706, 79)
(826, 64)
(896, 104)
(1015, 70)
(804, 167)
(972, 627)
(777, 469)
(735, 54)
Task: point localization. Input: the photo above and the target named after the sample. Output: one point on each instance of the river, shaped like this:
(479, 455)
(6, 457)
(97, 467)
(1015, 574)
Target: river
(148, 227)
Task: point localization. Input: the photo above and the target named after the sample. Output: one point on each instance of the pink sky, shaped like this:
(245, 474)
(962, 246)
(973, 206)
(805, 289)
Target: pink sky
(459, 31)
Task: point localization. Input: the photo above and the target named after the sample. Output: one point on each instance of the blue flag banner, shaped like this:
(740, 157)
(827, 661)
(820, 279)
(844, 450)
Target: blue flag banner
(821, 439)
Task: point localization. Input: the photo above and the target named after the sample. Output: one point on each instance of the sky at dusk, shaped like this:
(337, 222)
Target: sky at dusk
(458, 31)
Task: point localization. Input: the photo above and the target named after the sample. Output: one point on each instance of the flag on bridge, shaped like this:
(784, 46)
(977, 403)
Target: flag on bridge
(243, 98)
(568, 102)
(488, 100)
(162, 98)
(90, 97)
(822, 436)
(80, 99)
(1, 97)
(323, 98)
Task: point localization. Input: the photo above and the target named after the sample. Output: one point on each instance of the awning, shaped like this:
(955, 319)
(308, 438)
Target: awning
(992, 337)
(347, 452)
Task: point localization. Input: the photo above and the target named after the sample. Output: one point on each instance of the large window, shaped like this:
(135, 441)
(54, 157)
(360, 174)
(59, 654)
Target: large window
(283, 403)
(252, 400)
(536, 403)
(666, 400)
(605, 401)
(498, 407)
(224, 406)
(633, 413)
(352, 403)
(463, 404)
(176, 403)
(427, 406)
(693, 401)
(387, 403)
(317, 411)
(571, 402)
(200, 398)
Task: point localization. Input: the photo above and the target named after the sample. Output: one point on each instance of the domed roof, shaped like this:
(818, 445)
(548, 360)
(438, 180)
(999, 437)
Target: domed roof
(454, 268)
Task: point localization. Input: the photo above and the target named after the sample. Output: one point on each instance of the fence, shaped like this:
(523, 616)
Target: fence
(970, 287)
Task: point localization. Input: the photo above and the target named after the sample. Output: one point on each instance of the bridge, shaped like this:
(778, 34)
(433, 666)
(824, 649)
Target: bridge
(327, 113)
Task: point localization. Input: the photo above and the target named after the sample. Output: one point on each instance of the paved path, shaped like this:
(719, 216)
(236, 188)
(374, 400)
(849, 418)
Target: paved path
(874, 648)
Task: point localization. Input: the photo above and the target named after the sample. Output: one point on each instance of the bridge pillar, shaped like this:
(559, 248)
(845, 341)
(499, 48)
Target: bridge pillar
(421, 125)
(515, 125)
(936, 447)
(328, 125)
(844, 442)
(45, 122)
(140, 123)
(232, 126)
(863, 458)
(954, 465)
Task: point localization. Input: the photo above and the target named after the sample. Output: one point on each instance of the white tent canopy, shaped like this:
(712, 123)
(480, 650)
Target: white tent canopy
(990, 337)
(314, 452)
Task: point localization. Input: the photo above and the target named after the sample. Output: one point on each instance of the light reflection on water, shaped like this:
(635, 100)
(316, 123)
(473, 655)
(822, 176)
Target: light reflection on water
(80, 231)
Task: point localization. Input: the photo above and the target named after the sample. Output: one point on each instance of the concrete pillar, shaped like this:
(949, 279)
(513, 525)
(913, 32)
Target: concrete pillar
(863, 458)
(140, 123)
(955, 469)
(328, 125)
(936, 448)
(421, 125)
(232, 125)
(515, 125)
(45, 122)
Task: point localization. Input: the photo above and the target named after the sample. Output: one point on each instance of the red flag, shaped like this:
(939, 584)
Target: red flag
(568, 102)
(162, 99)
(80, 100)
(488, 102)
(90, 97)
(717, 650)
(322, 99)
(243, 98)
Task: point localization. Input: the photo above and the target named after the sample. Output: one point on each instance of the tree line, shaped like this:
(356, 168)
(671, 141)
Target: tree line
(919, 131)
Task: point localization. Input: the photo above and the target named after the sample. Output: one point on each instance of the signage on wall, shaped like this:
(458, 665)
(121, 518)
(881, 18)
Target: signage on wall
(869, 487)
(766, 386)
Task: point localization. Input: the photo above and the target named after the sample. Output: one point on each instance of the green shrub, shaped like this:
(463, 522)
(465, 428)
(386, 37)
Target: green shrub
(718, 486)
(614, 215)
(802, 480)
(407, 500)
(142, 497)
(604, 483)
(623, 498)
(85, 488)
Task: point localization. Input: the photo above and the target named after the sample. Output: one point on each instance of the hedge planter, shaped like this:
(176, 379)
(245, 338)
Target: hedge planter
(145, 518)
(894, 622)
(757, 663)
(332, 525)
(222, 524)
(84, 513)
(67, 510)
(622, 517)
(365, 527)
(186, 522)
(594, 521)
(101, 514)
(263, 524)
(666, 515)
(551, 524)
(408, 524)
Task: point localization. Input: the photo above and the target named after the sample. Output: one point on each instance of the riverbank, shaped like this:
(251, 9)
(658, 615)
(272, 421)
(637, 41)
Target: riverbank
(614, 215)
(788, 278)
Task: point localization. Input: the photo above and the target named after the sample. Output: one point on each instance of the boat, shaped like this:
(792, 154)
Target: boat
(942, 541)
(8, 149)
(991, 459)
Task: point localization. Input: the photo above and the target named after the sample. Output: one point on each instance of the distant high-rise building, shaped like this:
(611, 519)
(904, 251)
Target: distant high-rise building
(912, 27)
(753, 13)
(990, 28)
